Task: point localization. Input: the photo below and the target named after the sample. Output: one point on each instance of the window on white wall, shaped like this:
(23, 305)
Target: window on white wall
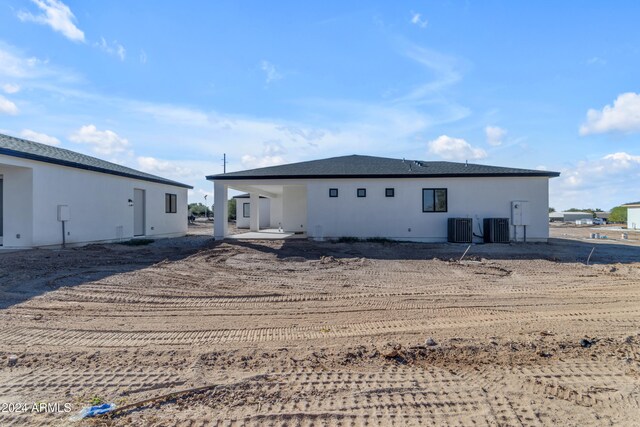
(333, 192)
(362, 192)
(170, 203)
(389, 192)
(434, 200)
(246, 210)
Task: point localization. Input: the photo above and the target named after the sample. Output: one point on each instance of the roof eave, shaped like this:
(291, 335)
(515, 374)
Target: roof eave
(44, 159)
(230, 177)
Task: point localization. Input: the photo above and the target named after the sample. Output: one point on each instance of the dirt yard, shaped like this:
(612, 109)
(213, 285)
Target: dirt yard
(320, 333)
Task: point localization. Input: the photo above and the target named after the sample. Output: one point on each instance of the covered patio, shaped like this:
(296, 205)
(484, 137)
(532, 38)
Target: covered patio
(287, 213)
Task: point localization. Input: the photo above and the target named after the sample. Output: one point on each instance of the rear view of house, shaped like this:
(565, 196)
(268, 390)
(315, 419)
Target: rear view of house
(364, 196)
(45, 190)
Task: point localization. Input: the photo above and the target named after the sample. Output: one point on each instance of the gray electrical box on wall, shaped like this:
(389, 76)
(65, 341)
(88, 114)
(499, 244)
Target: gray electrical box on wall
(520, 212)
(63, 213)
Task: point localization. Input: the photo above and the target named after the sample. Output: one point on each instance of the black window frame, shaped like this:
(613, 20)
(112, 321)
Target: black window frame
(389, 192)
(435, 210)
(246, 210)
(333, 192)
(170, 203)
(363, 190)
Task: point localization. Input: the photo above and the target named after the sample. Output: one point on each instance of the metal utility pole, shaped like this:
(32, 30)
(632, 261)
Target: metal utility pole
(224, 163)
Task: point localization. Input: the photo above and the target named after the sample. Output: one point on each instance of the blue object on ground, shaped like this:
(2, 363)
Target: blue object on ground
(92, 411)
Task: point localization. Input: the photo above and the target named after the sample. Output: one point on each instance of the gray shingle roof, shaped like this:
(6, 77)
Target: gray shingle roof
(17, 147)
(356, 166)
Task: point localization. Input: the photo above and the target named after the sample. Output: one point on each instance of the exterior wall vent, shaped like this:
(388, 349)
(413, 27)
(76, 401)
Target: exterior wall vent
(459, 230)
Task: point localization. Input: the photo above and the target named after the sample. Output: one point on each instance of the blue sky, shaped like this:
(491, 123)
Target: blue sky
(168, 87)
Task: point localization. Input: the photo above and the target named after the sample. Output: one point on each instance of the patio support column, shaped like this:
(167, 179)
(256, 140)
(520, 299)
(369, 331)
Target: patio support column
(254, 212)
(220, 210)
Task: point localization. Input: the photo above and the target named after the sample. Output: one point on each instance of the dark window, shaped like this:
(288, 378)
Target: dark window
(170, 203)
(333, 192)
(389, 192)
(246, 210)
(362, 192)
(434, 200)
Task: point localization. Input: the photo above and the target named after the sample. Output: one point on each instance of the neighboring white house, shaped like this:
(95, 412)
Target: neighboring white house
(243, 211)
(364, 196)
(45, 189)
(569, 216)
(633, 215)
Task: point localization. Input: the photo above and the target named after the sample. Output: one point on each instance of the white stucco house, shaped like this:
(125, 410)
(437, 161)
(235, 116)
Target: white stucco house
(45, 190)
(364, 196)
(633, 215)
(243, 211)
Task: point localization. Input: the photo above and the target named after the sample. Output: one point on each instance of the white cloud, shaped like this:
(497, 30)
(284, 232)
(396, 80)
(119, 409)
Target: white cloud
(270, 71)
(163, 168)
(251, 162)
(495, 135)
(596, 60)
(445, 70)
(272, 152)
(39, 137)
(7, 107)
(623, 116)
(416, 19)
(455, 149)
(115, 48)
(102, 142)
(176, 115)
(143, 57)
(57, 15)
(15, 66)
(11, 88)
(596, 183)
(273, 148)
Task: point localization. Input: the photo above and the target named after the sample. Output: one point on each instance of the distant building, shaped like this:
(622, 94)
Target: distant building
(633, 215)
(569, 216)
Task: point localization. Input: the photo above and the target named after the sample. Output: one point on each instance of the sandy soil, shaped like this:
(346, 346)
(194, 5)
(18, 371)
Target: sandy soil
(321, 333)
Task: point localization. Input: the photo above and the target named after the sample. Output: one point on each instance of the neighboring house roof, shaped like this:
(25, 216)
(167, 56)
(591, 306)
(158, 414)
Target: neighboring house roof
(245, 196)
(576, 213)
(25, 149)
(632, 205)
(356, 166)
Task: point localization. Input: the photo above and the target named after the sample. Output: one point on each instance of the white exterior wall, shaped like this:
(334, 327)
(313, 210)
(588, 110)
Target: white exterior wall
(98, 205)
(633, 218)
(401, 217)
(275, 205)
(294, 208)
(17, 204)
(265, 215)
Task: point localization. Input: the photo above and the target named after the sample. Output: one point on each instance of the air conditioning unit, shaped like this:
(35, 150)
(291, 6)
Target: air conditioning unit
(496, 230)
(459, 230)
